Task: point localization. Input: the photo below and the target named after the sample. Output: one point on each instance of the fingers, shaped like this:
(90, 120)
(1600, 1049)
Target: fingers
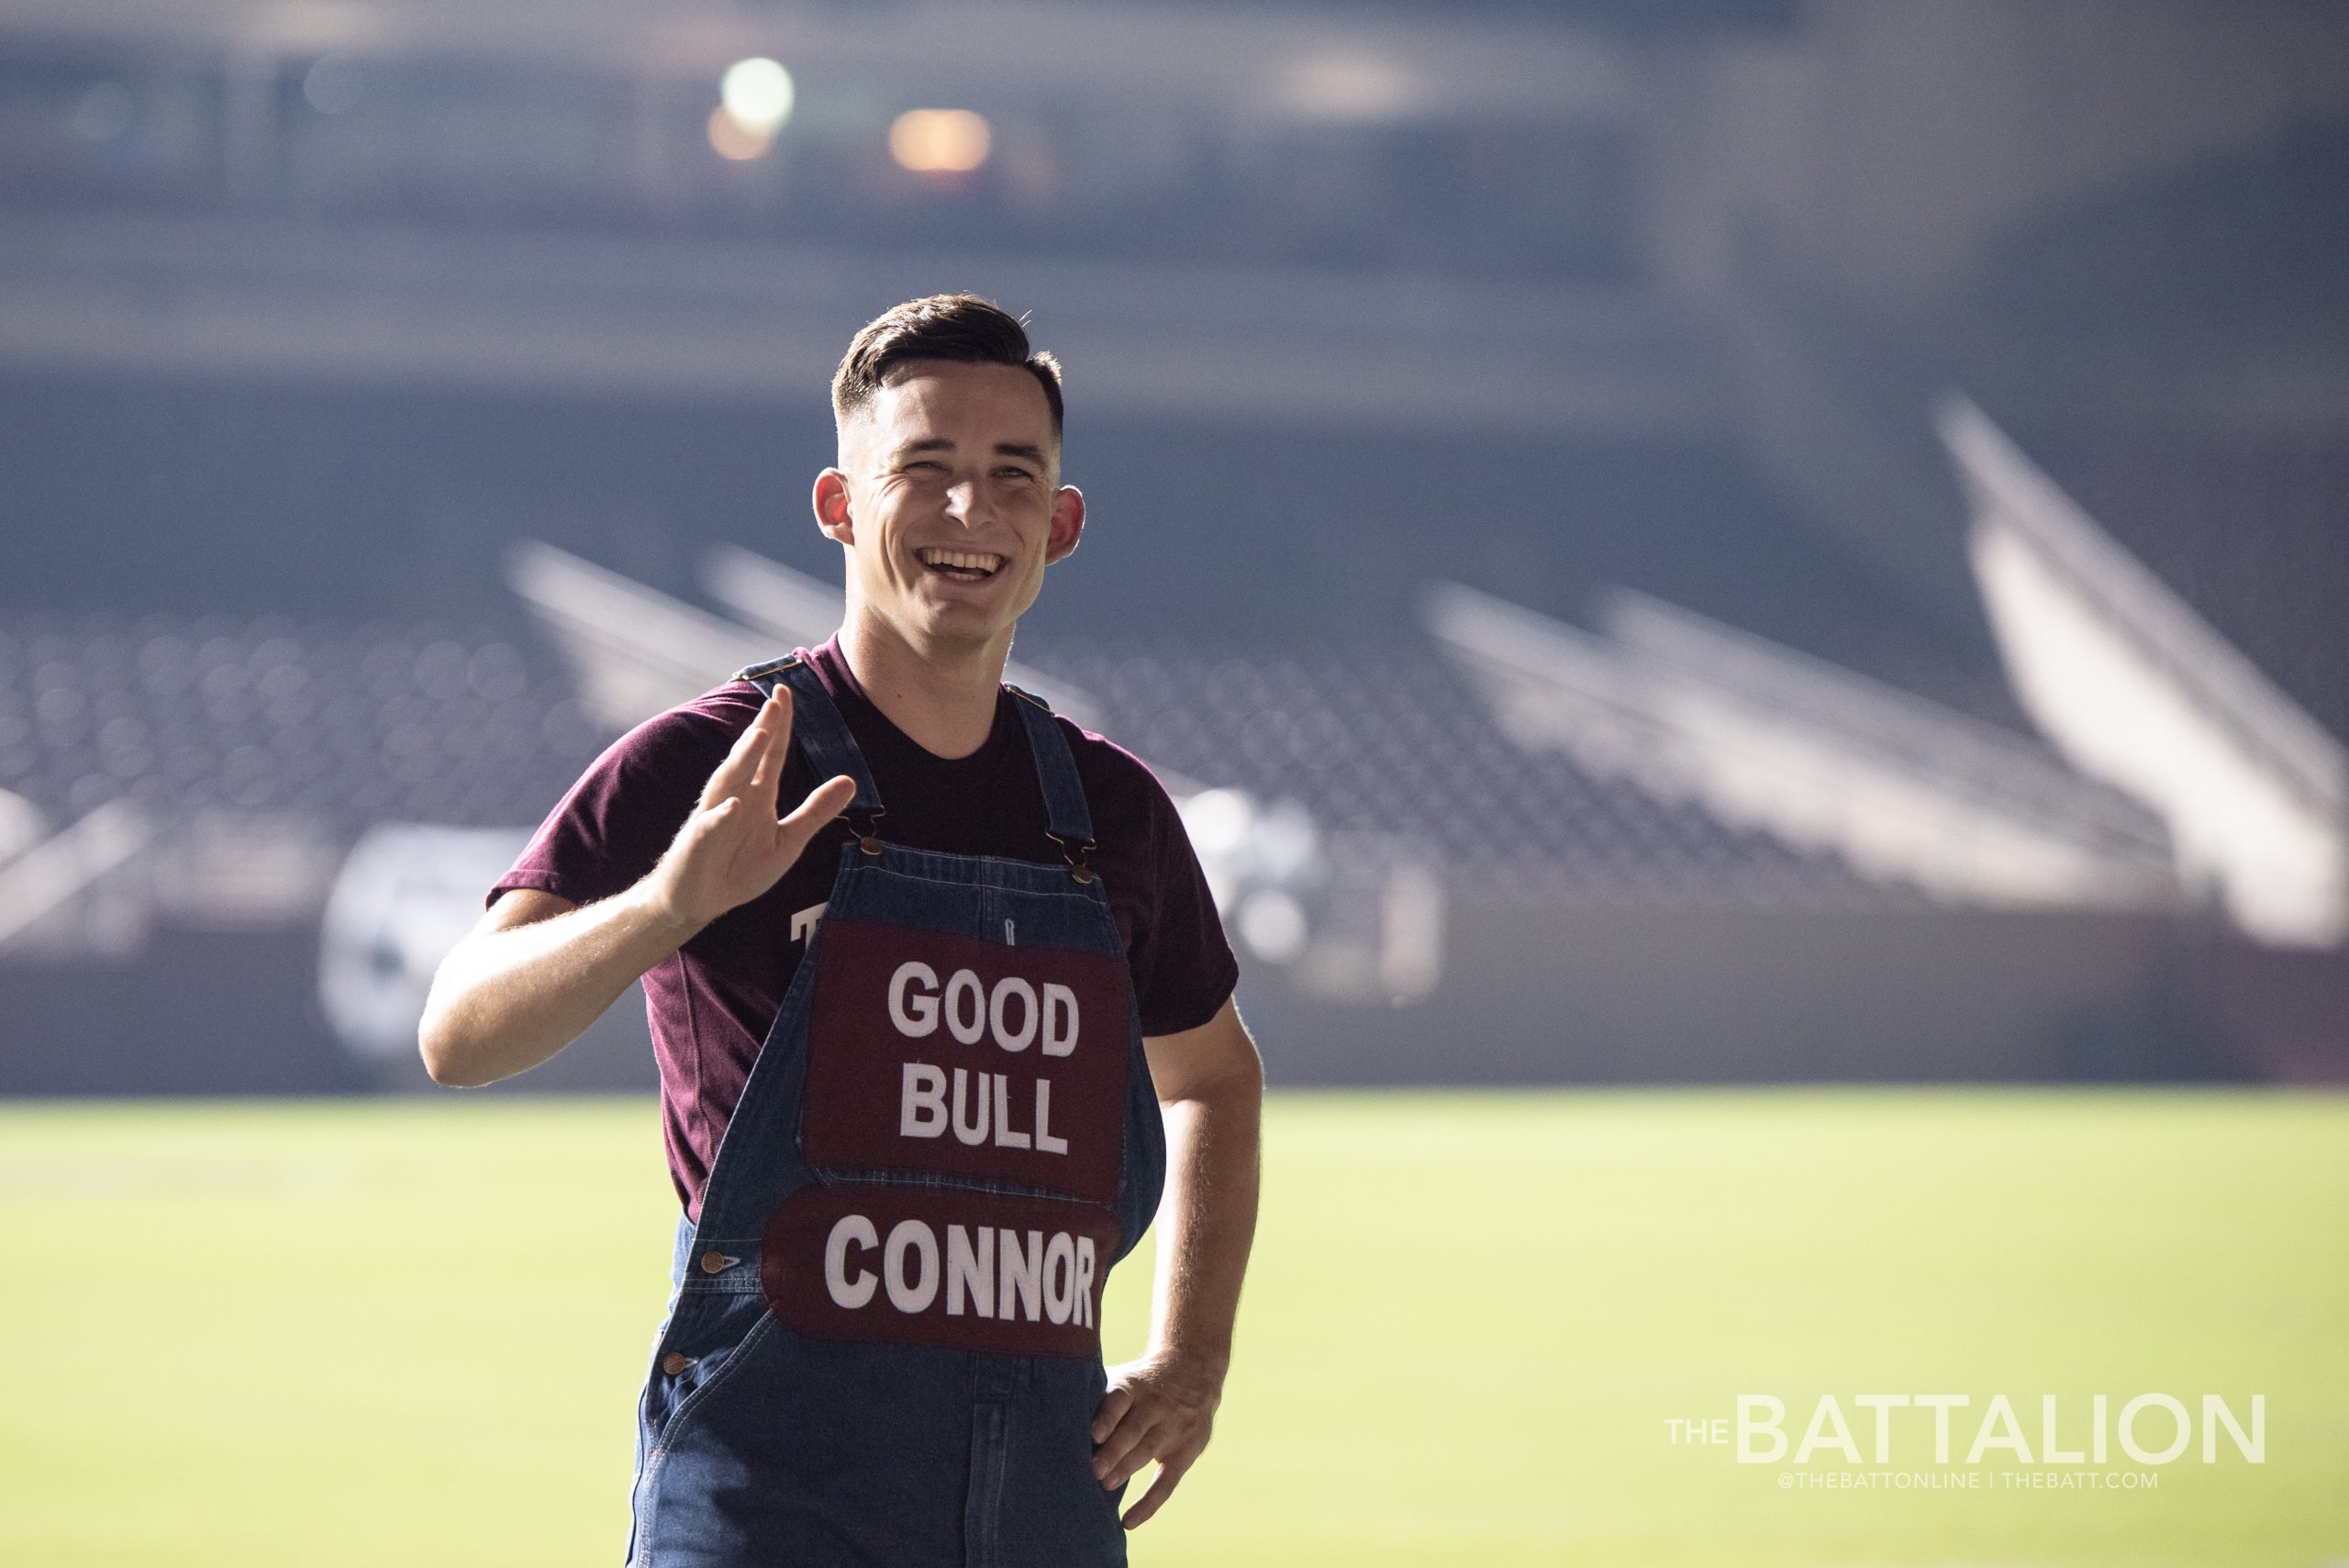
(741, 759)
(1139, 1421)
(1125, 1449)
(759, 745)
(775, 747)
(1114, 1407)
(1162, 1487)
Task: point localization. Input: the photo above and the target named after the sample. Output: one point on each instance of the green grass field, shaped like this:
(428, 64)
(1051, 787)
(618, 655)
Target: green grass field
(410, 1333)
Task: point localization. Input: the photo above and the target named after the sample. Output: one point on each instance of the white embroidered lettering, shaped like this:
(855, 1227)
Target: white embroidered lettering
(850, 1230)
(1004, 1137)
(965, 983)
(910, 1295)
(1005, 989)
(1045, 1142)
(1060, 1019)
(921, 1112)
(917, 1015)
(1020, 1274)
(967, 1131)
(970, 1268)
(1060, 1278)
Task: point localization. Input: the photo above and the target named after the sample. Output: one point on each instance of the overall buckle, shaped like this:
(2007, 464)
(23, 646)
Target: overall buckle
(1074, 854)
(867, 832)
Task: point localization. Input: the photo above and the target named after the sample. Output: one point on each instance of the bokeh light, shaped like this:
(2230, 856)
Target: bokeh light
(940, 141)
(733, 140)
(758, 92)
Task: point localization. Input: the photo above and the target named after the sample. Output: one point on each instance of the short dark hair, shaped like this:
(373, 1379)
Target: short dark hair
(943, 327)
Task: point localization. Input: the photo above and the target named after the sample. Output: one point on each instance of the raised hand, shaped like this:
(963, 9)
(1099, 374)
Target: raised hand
(733, 847)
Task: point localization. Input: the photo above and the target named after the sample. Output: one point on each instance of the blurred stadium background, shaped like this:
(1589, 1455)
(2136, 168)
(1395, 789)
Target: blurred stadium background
(1689, 540)
(1658, 541)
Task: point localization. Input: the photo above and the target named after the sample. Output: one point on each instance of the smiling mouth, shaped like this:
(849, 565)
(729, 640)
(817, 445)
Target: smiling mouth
(961, 566)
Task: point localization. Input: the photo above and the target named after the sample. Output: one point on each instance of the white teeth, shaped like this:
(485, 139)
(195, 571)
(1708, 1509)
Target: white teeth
(970, 561)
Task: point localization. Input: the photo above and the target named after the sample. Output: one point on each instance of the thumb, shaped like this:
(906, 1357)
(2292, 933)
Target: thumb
(826, 801)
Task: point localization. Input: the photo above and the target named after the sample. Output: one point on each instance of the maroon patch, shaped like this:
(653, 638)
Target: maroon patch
(943, 1054)
(939, 1266)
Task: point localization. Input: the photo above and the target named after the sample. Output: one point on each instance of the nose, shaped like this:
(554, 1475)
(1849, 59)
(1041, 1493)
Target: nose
(965, 501)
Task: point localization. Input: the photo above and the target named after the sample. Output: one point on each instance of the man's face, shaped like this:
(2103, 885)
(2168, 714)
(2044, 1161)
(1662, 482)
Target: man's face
(947, 498)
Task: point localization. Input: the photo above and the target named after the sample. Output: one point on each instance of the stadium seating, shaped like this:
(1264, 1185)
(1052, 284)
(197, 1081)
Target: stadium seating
(1380, 743)
(344, 728)
(347, 729)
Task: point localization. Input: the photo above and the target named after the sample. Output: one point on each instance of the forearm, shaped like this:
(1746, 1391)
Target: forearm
(505, 1001)
(1207, 1220)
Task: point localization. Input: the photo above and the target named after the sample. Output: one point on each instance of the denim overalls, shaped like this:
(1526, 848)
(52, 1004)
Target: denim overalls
(883, 1346)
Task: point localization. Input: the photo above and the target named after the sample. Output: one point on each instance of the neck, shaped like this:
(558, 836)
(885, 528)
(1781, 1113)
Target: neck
(943, 697)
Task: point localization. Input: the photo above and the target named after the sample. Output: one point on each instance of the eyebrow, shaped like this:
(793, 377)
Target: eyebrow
(1003, 449)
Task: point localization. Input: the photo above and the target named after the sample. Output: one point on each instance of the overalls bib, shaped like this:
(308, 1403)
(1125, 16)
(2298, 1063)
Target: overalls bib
(883, 1346)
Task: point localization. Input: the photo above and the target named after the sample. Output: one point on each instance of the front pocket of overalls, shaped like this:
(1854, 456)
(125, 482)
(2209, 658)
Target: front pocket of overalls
(796, 1445)
(681, 1478)
(716, 1334)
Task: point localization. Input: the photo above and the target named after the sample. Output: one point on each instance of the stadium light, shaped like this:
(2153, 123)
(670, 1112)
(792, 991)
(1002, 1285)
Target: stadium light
(940, 141)
(757, 94)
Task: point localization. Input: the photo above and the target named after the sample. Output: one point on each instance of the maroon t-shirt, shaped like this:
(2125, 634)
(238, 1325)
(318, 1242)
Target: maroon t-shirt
(711, 1004)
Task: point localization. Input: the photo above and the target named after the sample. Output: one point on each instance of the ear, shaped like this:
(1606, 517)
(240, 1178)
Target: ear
(832, 518)
(1068, 524)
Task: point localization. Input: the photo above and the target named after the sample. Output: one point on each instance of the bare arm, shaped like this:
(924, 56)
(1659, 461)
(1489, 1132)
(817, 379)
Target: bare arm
(1161, 1407)
(531, 976)
(538, 969)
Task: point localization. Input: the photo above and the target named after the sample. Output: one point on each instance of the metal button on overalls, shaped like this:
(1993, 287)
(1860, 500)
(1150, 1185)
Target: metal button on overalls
(884, 1344)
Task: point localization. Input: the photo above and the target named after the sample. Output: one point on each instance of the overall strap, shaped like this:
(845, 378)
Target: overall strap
(821, 733)
(1068, 822)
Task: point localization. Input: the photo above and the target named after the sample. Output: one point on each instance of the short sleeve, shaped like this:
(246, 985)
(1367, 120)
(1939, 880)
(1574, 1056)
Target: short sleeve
(1182, 965)
(614, 824)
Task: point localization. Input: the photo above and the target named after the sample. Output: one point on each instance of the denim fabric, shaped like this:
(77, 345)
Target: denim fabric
(769, 1446)
(1066, 816)
(818, 728)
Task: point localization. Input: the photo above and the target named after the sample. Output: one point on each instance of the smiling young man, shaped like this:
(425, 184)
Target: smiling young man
(933, 1042)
